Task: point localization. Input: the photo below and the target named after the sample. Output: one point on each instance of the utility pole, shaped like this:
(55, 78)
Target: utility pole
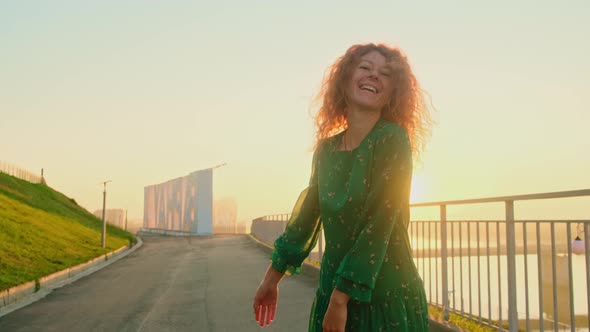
(125, 220)
(104, 222)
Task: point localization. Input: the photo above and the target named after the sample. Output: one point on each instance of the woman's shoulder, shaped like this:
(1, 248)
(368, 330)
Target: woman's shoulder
(391, 130)
(325, 143)
(392, 139)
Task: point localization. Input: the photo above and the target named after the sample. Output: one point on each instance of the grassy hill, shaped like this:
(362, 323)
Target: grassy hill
(42, 231)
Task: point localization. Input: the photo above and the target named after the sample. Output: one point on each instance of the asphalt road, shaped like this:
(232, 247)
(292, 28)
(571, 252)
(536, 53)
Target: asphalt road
(171, 284)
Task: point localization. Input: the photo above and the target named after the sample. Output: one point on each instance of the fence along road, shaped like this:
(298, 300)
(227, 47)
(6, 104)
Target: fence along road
(20, 173)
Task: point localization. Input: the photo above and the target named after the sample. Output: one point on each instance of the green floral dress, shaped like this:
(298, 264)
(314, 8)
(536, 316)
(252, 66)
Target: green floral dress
(361, 200)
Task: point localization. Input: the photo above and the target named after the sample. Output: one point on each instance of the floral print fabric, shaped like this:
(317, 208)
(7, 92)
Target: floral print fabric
(361, 200)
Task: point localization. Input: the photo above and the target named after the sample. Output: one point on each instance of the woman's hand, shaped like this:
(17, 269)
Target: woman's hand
(267, 296)
(335, 318)
(265, 302)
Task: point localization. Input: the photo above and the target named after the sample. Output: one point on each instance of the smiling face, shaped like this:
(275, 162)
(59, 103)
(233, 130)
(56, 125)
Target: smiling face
(371, 83)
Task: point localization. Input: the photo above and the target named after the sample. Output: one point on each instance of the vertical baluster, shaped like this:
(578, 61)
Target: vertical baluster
(437, 255)
(571, 278)
(417, 248)
(461, 264)
(478, 274)
(498, 250)
(413, 238)
(453, 267)
(554, 278)
(489, 274)
(540, 278)
(469, 268)
(526, 276)
(429, 263)
(422, 249)
(511, 271)
(444, 269)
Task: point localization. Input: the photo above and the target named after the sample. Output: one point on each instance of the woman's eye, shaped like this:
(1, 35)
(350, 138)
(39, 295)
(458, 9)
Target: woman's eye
(364, 67)
(386, 74)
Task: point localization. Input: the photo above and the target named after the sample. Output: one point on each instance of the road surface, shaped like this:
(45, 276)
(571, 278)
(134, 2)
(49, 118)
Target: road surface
(171, 284)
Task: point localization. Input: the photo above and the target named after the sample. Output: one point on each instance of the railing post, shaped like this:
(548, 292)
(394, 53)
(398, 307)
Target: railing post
(587, 259)
(444, 266)
(511, 258)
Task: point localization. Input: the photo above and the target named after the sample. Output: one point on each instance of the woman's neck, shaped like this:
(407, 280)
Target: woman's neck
(360, 124)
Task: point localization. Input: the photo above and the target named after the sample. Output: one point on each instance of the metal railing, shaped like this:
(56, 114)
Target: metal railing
(506, 287)
(528, 274)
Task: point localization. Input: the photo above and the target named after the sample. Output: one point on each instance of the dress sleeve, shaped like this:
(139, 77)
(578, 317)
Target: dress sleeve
(387, 204)
(302, 230)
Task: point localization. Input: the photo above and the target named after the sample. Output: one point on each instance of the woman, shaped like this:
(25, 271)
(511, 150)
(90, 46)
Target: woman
(359, 194)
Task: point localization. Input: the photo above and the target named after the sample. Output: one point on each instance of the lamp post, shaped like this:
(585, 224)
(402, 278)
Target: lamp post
(578, 245)
(104, 223)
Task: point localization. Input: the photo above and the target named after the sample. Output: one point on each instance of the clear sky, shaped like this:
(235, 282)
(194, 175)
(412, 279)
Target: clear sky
(139, 92)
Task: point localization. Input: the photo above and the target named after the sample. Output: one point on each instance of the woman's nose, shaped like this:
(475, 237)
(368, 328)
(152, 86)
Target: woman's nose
(373, 75)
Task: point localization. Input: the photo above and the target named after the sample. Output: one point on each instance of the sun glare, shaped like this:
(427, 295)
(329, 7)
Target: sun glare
(418, 189)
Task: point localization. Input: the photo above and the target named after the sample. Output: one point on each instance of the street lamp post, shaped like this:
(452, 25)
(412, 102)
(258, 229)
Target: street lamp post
(104, 223)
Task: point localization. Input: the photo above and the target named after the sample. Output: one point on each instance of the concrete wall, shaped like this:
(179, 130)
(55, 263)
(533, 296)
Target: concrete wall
(266, 230)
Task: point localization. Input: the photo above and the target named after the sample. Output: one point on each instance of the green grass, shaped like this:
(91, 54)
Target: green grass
(42, 232)
(464, 322)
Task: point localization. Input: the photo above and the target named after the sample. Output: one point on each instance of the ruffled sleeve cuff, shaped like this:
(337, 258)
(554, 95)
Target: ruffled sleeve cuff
(282, 265)
(356, 291)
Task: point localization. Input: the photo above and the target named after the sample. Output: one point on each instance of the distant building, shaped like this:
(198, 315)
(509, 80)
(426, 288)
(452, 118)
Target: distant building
(115, 217)
(183, 204)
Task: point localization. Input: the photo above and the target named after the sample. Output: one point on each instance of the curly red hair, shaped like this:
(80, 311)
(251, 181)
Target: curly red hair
(406, 107)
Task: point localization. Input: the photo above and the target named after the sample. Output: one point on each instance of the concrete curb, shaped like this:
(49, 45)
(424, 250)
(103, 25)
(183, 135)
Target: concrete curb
(22, 295)
(166, 232)
(308, 269)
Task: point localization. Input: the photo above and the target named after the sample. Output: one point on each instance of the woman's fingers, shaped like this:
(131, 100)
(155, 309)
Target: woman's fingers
(263, 313)
(269, 314)
(257, 309)
(273, 310)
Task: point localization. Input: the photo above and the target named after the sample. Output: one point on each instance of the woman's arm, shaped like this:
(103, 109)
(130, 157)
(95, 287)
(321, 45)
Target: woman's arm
(302, 231)
(290, 250)
(272, 276)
